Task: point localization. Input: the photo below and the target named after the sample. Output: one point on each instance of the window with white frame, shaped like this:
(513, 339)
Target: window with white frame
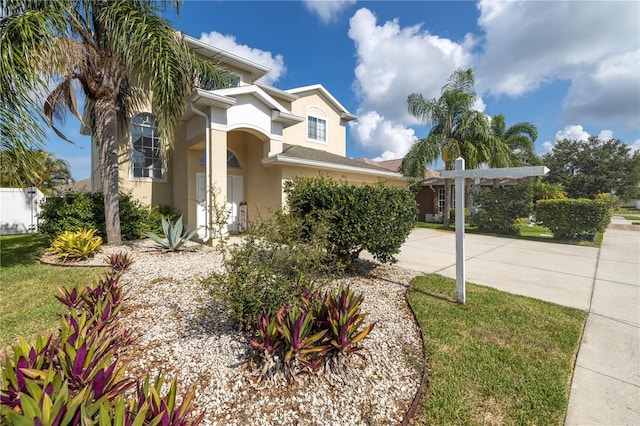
(146, 154)
(440, 201)
(316, 129)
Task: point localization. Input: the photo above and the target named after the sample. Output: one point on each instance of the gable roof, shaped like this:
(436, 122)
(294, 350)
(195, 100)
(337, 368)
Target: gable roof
(344, 113)
(309, 157)
(208, 51)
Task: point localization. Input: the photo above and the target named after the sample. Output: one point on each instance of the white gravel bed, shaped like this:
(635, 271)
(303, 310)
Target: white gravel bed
(166, 306)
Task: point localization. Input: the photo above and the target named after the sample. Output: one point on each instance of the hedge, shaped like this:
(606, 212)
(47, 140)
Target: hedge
(569, 218)
(499, 208)
(376, 218)
(77, 210)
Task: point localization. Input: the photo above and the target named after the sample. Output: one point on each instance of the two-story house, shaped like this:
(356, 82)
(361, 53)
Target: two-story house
(244, 141)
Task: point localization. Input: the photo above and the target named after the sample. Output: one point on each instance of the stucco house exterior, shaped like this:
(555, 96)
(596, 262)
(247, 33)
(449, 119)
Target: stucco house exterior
(245, 141)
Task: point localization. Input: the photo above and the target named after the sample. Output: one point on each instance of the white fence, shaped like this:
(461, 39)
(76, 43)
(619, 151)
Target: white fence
(19, 208)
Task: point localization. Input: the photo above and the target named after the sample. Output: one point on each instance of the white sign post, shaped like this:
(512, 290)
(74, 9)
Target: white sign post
(460, 174)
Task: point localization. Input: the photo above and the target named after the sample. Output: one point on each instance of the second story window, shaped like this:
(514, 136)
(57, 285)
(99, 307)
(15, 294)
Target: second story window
(146, 155)
(316, 129)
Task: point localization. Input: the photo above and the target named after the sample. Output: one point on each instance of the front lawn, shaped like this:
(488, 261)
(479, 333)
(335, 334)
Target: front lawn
(499, 359)
(27, 303)
(533, 233)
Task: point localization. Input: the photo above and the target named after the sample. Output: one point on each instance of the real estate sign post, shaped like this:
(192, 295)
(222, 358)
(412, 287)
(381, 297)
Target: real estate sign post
(460, 174)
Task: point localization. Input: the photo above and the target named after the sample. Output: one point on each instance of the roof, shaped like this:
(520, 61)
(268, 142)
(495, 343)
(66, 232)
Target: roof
(256, 70)
(344, 113)
(83, 185)
(309, 157)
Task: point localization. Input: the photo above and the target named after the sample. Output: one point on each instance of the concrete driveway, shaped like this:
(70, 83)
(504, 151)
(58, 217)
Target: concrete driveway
(604, 282)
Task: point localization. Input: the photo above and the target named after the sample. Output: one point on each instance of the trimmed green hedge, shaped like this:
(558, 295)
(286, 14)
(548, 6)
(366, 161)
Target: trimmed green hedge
(77, 210)
(569, 218)
(499, 208)
(376, 218)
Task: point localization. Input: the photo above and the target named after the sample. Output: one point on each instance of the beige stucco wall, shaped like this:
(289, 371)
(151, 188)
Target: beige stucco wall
(316, 105)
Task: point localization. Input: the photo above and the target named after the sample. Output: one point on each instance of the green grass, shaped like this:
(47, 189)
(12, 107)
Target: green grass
(632, 218)
(499, 359)
(533, 233)
(627, 210)
(27, 303)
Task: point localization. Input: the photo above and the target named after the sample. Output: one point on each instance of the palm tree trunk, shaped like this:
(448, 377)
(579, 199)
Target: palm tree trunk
(106, 135)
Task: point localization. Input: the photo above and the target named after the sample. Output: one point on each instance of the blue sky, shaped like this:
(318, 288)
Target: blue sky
(571, 68)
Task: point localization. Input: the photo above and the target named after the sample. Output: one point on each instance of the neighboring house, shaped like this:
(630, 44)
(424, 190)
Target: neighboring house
(430, 191)
(244, 141)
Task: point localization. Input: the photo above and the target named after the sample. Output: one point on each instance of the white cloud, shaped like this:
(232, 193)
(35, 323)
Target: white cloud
(605, 134)
(607, 92)
(547, 146)
(593, 45)
(635, 147)
(572, 132)
(393, 62)
(375, 134)
(328, 10)
(262, 57)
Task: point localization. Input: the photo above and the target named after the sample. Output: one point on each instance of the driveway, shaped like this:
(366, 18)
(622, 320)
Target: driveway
(604, 282)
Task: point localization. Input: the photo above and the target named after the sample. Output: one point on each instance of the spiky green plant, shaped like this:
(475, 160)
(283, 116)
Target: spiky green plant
(174, 237)
(77, 245)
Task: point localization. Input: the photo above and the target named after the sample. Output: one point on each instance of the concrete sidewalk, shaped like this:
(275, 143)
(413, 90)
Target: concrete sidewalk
(604, 282)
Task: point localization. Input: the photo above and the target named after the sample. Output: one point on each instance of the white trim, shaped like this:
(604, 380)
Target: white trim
(280, 159)
(252, 89)
(344, 113)
(326, 128)
(256, 70)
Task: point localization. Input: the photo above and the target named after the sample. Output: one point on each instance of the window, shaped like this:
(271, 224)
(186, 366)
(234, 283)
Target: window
(146, 155)
(440, 201)
(232, 160)
(316, 129)
(212, 84)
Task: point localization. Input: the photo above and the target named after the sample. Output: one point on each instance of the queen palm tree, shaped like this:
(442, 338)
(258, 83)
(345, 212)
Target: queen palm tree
(520, 138)
(23, 168)
(113, 52)
(457, 130)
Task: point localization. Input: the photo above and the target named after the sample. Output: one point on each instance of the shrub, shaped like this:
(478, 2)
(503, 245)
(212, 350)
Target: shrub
(569, 219)
(376, 218)
(269, 267)
(77, 210)
(499, 208)
(77, 245)
(155, 216)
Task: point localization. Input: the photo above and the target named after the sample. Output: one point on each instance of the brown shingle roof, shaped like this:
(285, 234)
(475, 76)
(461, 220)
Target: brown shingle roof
(304, 153)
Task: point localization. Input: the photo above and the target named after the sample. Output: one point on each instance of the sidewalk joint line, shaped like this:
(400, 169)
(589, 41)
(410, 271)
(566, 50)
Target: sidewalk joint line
(607, 376)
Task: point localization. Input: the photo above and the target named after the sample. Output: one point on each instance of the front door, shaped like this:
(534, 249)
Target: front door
(235, 195)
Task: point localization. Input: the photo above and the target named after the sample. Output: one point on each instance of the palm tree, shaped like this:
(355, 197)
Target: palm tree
(457, 130)
(520, 138)
(23, 168)
(114, 52)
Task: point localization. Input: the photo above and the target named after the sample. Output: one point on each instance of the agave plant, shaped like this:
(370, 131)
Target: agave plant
(175, 239)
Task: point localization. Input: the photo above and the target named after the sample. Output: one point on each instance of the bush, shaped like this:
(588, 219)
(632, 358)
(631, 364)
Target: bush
(154, 219)
(270, 266)
(570, 219)
(376, 218)
(500, 208)
(77, 245)
(77, 210)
